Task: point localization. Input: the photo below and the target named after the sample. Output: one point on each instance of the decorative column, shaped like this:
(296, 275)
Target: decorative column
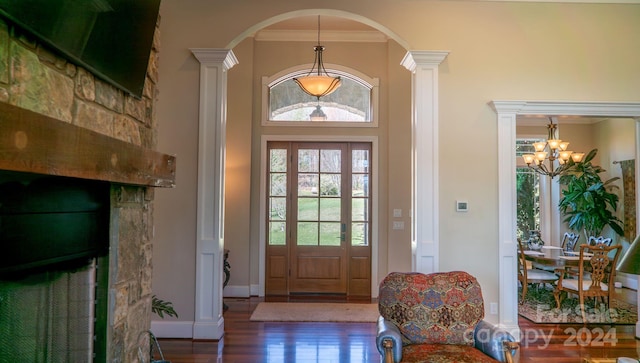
(214, 64)
(507, 216)
(424, 164)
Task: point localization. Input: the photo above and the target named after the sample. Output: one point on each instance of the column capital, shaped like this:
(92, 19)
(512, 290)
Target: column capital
(413, 58)
(215, 56)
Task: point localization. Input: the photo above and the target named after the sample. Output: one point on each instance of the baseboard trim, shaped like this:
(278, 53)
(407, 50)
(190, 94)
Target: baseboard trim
(627, 280)
(209, 330)
(172, 329)
(236, 291)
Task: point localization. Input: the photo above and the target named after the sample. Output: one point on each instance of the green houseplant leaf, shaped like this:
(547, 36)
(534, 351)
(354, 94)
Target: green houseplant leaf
(587, 203)
(161, 307)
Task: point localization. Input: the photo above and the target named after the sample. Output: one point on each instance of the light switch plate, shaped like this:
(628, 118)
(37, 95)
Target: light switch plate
(397, 213)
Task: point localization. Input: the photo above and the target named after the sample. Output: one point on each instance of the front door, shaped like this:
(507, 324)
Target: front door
(319, 227)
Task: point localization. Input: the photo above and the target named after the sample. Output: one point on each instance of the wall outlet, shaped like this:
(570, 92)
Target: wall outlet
(398, 225)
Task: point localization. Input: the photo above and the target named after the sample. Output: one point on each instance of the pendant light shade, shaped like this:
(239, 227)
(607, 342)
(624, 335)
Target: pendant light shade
(318, 82)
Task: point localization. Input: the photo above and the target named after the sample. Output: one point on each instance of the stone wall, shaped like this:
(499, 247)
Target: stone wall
(36, 78)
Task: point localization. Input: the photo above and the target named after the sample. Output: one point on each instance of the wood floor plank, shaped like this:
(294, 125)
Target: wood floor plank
(252, 342)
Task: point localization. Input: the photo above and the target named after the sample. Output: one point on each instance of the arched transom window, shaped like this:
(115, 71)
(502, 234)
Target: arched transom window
(353, 104)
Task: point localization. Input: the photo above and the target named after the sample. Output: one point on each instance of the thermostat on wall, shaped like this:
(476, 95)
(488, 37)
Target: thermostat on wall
(462, 206)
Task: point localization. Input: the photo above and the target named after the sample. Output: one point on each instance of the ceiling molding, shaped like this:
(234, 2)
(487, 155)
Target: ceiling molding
(361, 36)
(568, 108)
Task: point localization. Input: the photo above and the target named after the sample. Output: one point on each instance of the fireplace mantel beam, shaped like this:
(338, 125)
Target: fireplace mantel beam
(35, 143)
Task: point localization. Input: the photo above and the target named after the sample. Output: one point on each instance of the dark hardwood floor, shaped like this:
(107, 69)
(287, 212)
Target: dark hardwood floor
(246, 341)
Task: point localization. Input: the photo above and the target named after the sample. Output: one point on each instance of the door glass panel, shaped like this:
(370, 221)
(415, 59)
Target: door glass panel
(359, 234)
(308, 160)
(360, 209)
(277, 233)
(330, 209)
(277, 208)
(330, 184)
(360, 161)
(330, 161)
(307, 209)
(360, 203)
(278, 184)
(307, 234)
(278, 160)
(329, 234)
(360, 185)
(307, 184)
(277, 196)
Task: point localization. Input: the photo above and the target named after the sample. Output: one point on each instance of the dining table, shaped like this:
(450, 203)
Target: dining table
(555, 258)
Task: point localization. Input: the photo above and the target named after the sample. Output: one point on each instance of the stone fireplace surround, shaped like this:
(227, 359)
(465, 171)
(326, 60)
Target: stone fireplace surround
(82, 127)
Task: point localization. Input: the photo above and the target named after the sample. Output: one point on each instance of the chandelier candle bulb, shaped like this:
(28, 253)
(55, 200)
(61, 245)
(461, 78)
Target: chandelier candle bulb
(554, 144)
(539, 146)
(541, 155)
(577, 157)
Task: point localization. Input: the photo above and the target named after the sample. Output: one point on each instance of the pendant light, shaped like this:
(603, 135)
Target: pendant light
(318, 82)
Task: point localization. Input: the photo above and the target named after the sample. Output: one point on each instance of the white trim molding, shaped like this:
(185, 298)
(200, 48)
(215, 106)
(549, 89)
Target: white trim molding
(214, 64)
(507, 111)
(423, 66)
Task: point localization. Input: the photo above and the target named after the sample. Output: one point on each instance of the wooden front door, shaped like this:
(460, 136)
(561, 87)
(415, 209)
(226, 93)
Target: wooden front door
(318, 228)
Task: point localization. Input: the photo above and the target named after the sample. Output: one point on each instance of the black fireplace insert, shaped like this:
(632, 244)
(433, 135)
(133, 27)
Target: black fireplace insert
(50, 222)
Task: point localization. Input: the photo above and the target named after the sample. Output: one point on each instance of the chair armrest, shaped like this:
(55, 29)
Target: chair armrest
(389, 341)
(495, 342)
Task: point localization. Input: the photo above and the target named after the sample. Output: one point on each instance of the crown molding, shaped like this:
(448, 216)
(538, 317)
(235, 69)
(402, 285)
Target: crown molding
(568, 108)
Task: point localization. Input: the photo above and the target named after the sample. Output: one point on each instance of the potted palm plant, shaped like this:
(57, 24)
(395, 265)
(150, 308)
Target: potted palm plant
(587, 201)
(159, 307)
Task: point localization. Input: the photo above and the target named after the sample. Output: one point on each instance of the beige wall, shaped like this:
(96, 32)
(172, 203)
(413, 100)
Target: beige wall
(498, 50)
(616, 141)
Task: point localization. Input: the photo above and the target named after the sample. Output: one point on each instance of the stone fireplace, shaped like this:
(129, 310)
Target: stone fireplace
(59, 121)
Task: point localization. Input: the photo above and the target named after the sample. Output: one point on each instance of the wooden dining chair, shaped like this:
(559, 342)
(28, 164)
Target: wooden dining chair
(596, 275)
(527, 275)
(599, 240)
(569, 241)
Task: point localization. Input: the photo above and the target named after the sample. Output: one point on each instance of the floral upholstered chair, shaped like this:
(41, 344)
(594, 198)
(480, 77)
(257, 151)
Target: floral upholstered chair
(437, 318)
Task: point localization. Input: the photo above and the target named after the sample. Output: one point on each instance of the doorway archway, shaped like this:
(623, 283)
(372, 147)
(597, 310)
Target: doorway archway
(507, 111)
(214, 65)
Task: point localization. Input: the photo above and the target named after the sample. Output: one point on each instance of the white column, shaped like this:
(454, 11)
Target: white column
(214, 63)
(424, 149)
(507, 216)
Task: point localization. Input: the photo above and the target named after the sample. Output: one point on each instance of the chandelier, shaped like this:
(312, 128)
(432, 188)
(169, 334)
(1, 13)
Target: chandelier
(318, 83)
(543, 160)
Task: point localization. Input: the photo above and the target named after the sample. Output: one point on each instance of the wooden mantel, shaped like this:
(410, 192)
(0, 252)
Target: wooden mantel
(35, 143)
